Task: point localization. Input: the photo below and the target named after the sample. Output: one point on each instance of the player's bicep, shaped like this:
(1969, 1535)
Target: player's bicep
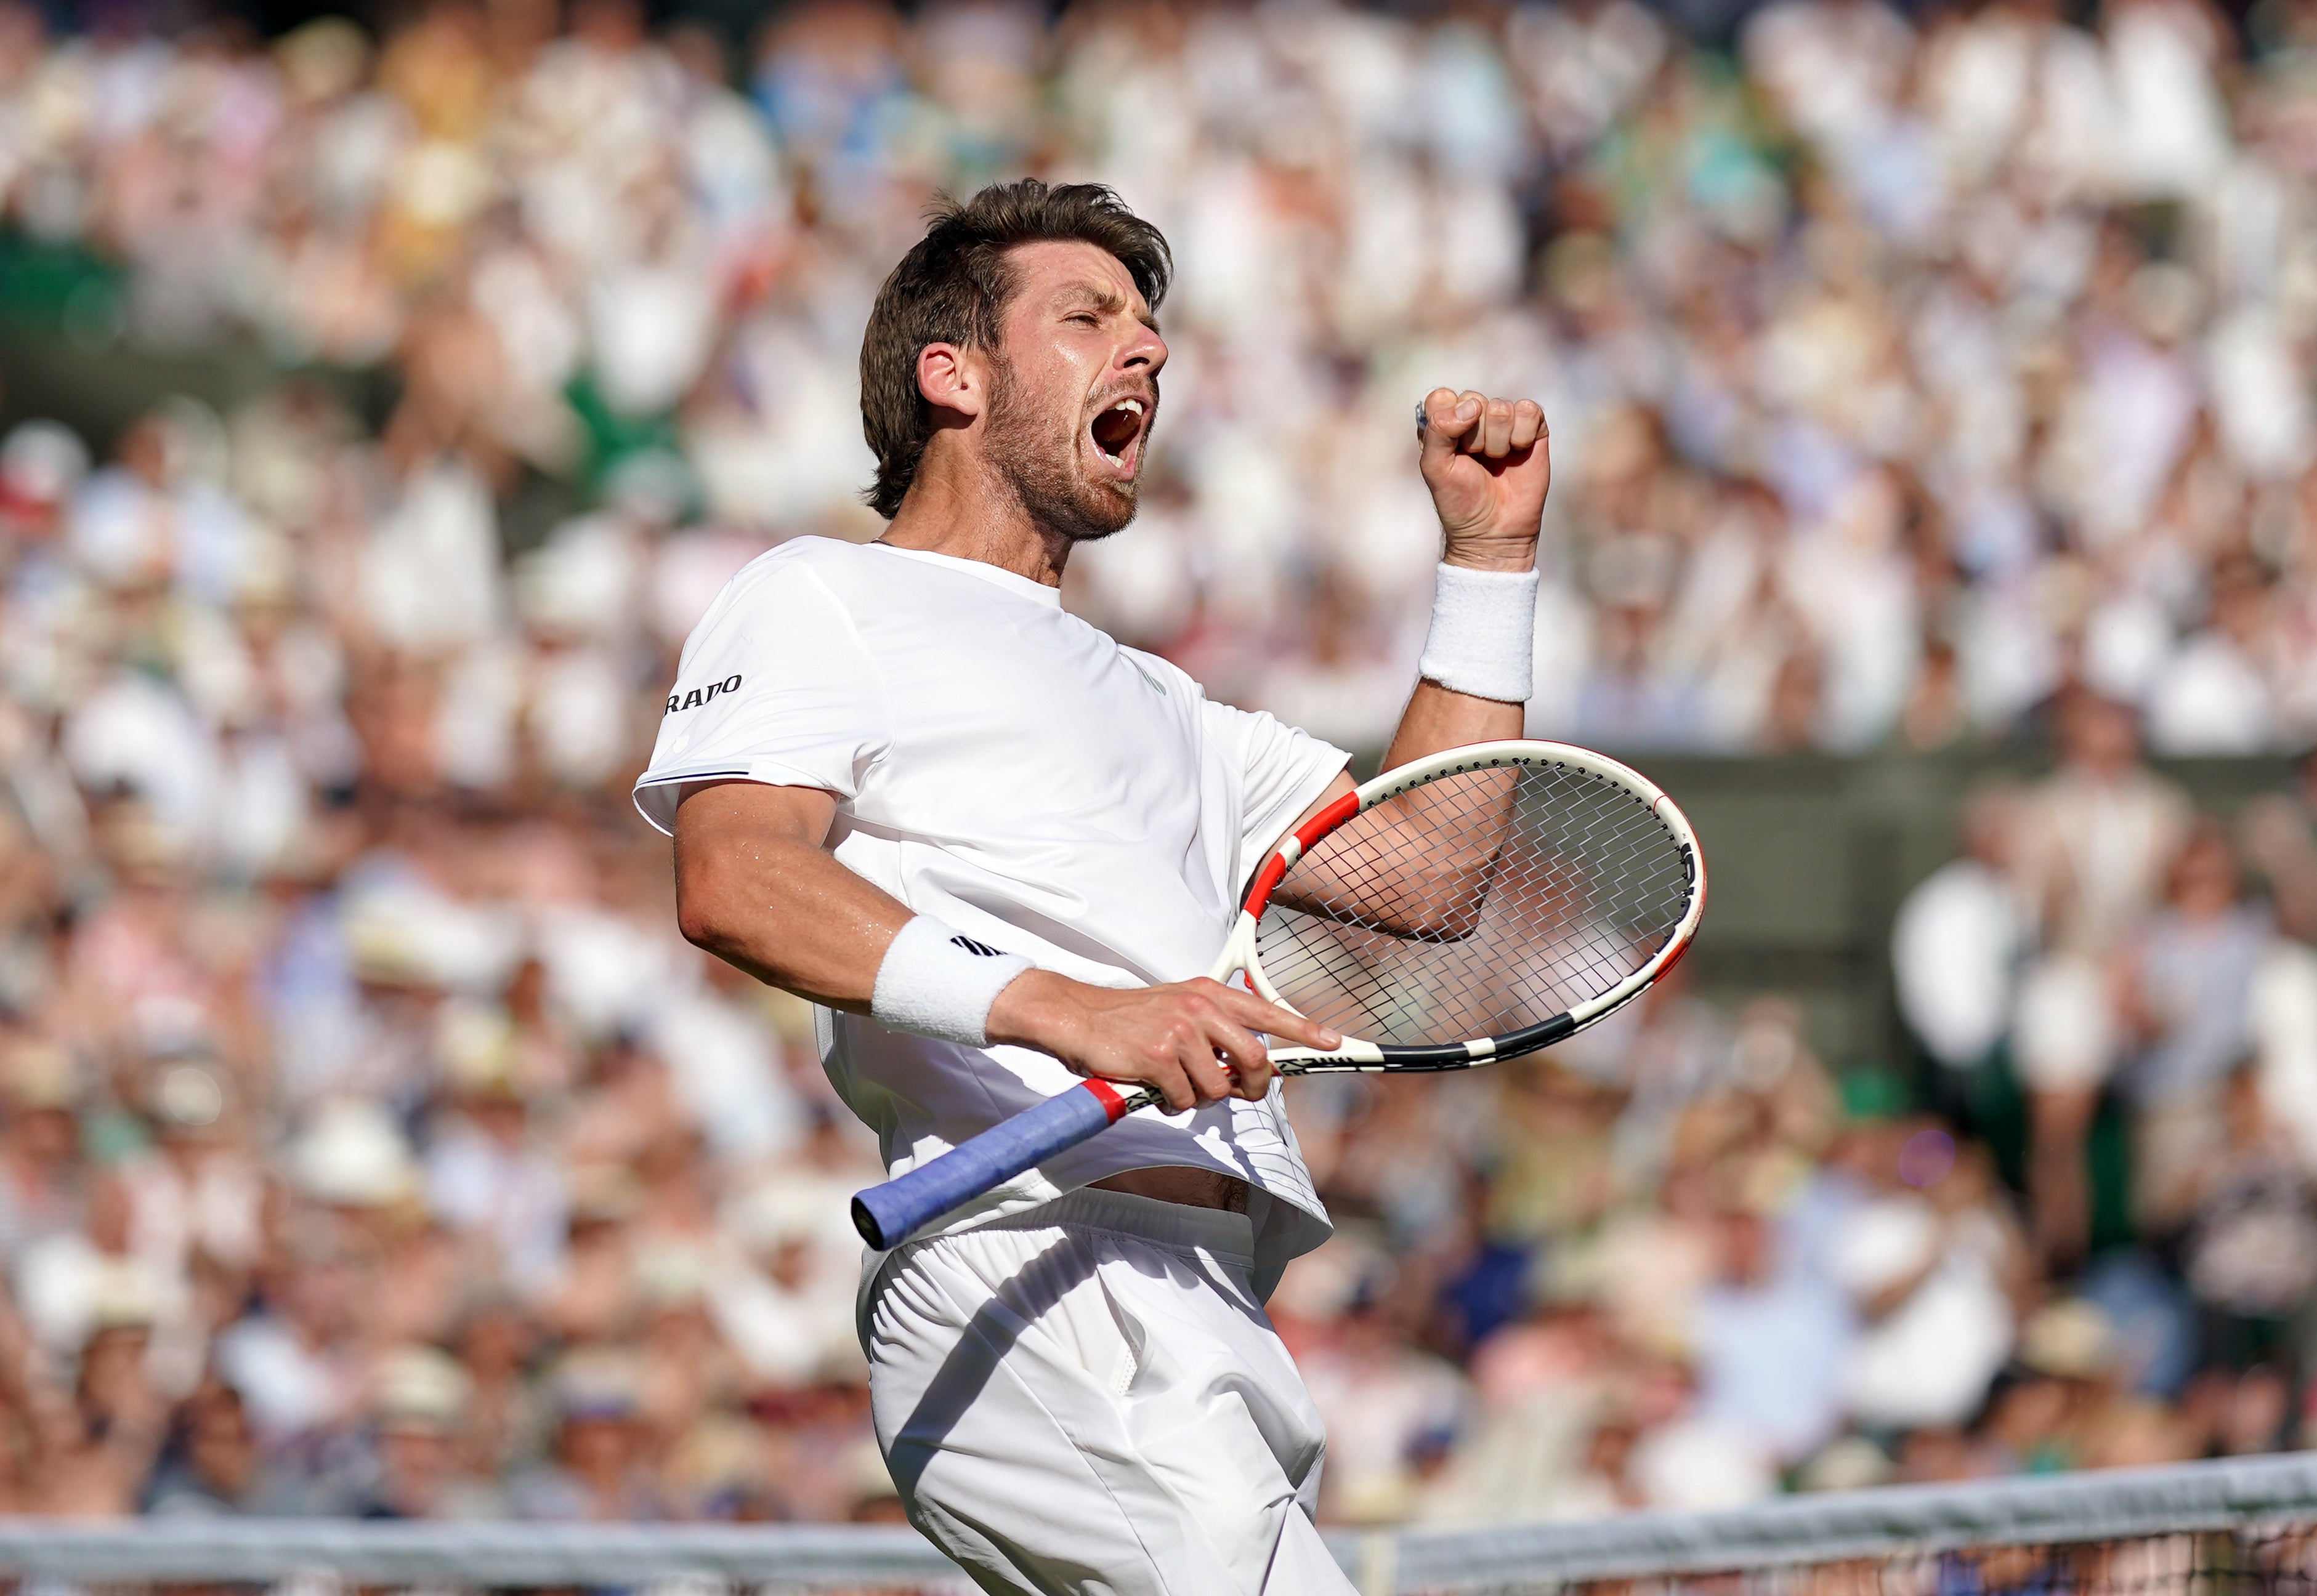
(730, 837)
(729, 814)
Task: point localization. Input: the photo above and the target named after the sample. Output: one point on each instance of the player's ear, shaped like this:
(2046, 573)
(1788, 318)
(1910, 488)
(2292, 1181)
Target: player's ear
(954, 378)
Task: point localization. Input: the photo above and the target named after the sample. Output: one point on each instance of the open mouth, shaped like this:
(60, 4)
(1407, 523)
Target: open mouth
(1118, 432)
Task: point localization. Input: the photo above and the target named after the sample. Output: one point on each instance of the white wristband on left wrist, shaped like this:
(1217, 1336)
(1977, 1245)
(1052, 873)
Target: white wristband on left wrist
(1484, 636)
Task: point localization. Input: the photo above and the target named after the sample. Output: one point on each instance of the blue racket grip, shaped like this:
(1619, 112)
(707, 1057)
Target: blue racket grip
(886, 1215)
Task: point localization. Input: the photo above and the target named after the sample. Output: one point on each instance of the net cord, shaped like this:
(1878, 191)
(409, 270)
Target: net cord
(2061, 1510)
(2076, 1509)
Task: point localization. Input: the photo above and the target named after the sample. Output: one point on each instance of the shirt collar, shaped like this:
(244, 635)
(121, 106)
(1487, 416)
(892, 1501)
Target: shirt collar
(997, 576)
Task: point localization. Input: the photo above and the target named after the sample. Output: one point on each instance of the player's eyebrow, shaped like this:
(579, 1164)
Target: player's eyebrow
(1106, 300)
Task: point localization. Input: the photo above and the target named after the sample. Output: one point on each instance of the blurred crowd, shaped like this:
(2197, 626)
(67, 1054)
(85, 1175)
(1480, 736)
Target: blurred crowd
(1902, 372)
(370, 1142)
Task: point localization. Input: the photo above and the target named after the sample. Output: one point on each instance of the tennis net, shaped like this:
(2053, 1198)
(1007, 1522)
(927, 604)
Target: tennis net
(2246, 1527)
(2241, 1528)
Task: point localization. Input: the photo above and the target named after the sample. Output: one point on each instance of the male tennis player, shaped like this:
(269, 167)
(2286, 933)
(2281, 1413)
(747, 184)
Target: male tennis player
(996, 849)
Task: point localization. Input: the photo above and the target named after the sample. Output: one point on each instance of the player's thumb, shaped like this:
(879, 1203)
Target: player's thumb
(1445, 426)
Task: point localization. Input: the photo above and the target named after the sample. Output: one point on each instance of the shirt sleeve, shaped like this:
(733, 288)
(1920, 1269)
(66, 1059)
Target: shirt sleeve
(1285, 770)
(774, 686)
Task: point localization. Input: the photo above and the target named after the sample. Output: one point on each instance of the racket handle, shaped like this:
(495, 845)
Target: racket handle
(887, 1214)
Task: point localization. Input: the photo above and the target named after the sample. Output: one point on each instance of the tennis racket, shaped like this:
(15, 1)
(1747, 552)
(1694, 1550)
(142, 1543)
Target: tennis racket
(1471, 906)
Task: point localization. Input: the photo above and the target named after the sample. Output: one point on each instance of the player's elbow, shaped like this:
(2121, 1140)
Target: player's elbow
(1442, 908)
(702, 913)
(1450, 923)
(699, 926)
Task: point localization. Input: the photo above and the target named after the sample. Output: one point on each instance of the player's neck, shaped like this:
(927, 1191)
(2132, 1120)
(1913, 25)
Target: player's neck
(953, 509)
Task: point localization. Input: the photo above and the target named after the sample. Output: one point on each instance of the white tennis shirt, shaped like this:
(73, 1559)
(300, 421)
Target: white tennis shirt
(1008, 769)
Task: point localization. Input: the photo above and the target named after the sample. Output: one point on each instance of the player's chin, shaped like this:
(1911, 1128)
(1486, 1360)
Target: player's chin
(1094, 515)
(1105, 501)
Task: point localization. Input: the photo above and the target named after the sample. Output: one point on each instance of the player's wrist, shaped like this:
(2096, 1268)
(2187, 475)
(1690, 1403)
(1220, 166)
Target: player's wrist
(1033, 1010)
(1485, 553)
(936, 982)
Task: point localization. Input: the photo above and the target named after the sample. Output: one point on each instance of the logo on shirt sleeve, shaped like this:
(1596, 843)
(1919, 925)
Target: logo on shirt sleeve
(701, 695)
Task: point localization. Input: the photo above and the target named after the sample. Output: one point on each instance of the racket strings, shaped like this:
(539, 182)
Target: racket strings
(1475, 904)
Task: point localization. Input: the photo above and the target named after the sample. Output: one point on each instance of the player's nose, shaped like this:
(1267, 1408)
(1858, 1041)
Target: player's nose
(1145, 351)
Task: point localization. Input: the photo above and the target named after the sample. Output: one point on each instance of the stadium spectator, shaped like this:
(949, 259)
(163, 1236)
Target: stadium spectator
(2185, 993)
(1955, 950)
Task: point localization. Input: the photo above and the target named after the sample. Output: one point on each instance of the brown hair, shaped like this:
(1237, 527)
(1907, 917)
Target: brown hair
(953, 286)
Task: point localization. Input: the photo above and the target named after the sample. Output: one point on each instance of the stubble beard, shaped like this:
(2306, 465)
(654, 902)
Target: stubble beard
(1037, 461)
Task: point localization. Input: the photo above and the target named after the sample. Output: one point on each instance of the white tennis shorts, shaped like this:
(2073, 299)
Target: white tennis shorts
(1088, 1398)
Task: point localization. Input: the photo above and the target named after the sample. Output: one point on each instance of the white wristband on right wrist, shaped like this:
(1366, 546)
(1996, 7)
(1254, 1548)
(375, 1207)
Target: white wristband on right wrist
(937, 982)
(1484, 636)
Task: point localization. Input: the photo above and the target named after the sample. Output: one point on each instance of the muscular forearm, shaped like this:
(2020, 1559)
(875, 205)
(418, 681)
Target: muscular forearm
(756, 886)
(1436, 719)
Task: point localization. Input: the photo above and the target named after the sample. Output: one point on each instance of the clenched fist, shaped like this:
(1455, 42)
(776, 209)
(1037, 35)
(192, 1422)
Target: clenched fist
(1487, 463)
